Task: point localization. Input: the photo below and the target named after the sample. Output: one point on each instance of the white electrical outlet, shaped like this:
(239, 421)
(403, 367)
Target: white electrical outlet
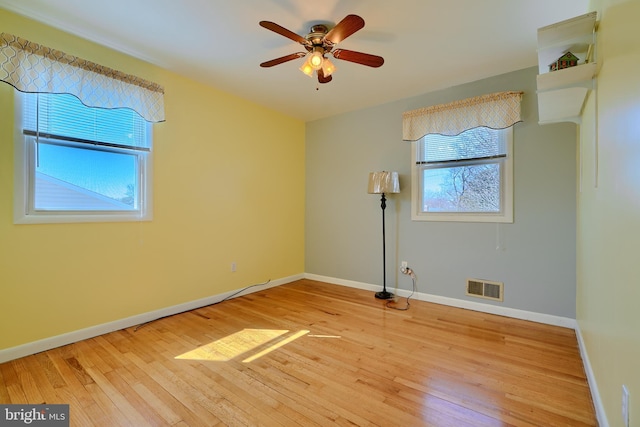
(403, 267)
(233, 267)
(625, 405)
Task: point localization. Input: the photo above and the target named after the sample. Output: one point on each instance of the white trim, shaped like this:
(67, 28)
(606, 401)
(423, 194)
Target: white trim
(548, 319)
(93, 331)
(343, 282)
(591, 379)
(90, 332)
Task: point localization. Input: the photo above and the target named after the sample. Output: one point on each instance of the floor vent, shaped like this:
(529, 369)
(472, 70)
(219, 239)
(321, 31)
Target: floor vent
(485, 289)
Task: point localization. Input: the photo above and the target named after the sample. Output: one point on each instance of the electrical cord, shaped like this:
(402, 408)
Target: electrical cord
(409, 272)
(240, 291)
(208, 305)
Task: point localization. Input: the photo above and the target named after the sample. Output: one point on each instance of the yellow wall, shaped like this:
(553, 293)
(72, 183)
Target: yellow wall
(608, 297)
(228, 187)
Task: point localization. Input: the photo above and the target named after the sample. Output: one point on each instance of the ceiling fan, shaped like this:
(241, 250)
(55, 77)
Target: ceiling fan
(320, 42)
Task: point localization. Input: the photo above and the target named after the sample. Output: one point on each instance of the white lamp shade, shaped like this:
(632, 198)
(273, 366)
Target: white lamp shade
(384, 182)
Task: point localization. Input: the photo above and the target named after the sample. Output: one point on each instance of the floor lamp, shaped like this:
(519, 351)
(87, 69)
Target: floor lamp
(383, 183)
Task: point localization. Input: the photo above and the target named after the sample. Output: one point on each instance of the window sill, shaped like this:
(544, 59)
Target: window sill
(462, 217)
(68, 218)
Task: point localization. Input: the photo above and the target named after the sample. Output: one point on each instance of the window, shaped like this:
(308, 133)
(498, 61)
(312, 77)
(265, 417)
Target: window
(80, 164)
(467, 177)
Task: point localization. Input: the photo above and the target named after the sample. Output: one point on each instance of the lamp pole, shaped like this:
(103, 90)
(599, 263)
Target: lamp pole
(384, 294)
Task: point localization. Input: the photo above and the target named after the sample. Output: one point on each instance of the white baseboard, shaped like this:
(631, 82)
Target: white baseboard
(68, 338)
(93, 331)
(548, 319)
(591, 378)
(343, 282)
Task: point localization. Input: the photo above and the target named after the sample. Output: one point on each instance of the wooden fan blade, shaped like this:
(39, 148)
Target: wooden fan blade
(343, 29)
(322, 78)
(284, 32)
(358, 57)
(282, 59)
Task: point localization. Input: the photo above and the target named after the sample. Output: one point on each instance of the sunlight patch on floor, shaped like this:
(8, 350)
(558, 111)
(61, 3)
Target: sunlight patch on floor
(243, 342)
(276, 346)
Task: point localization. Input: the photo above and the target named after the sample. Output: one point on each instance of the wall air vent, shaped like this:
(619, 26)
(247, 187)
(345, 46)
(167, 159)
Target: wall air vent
(485, 289)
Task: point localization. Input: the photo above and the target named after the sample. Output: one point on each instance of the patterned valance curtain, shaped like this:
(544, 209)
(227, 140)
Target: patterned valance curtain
(30, 67)
(497, 111)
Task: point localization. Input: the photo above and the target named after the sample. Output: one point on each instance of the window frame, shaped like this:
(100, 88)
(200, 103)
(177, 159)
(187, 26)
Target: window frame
(24, 181)
(506, 189)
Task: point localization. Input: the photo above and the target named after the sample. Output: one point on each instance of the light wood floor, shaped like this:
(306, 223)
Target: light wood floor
(309, 353)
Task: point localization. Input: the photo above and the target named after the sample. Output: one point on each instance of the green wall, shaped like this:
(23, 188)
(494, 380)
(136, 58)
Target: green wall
(534, 256)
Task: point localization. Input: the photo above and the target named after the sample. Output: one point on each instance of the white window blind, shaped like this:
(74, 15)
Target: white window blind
(474, 144)
(64, 117)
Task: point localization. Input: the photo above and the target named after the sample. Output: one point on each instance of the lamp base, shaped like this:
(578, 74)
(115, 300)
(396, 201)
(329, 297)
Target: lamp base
(384, 295)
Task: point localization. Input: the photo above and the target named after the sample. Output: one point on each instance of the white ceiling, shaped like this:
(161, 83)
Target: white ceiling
(427, 44)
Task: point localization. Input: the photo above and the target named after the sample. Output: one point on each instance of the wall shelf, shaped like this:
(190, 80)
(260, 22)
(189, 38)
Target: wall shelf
(561, 93)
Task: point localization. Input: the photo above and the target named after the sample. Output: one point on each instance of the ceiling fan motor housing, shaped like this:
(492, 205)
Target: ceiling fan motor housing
(316, 38)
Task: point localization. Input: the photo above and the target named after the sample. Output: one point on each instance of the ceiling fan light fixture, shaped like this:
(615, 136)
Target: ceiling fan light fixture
(316, 58)
(307, 68)
(327, 67)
